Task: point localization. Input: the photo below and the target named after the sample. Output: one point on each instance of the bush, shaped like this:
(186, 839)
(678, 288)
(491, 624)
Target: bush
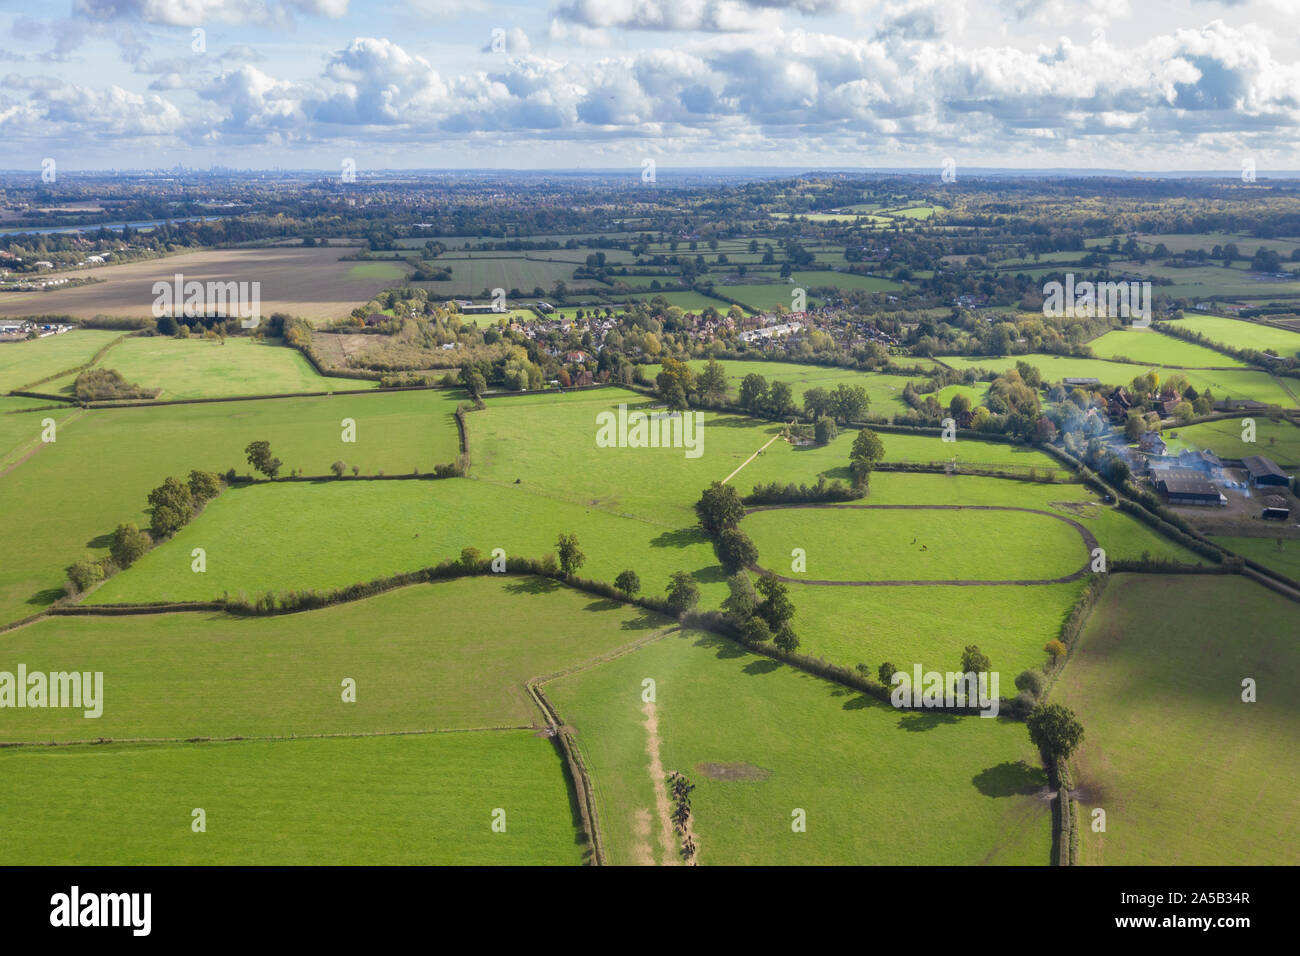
(1030, 682)
(339, 467)
(85, 573)
(683, 592)
(204, 485)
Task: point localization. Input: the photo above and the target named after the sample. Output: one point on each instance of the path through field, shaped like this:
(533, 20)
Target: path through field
(749, 459)
(663, 808)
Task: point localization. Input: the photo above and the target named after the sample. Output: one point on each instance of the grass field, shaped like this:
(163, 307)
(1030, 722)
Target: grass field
(23, 363)
(410, 651)
(414, 800)
(845, 281)
(873, 545)
(105, 462)
(323, 537)
(21, 426)
(473, 272)
(1280, 554)
(1278, 440)
(1186, 771)
(1254, 385)
(1145, 345)
(764, 297)
(1240, 334)
(877, 787)
(312, 283)
(201, 368)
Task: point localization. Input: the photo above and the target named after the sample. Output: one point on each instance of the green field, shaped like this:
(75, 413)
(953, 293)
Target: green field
(1186, 771)
(863, 544)
(877, 787)
(293, 536)
(206, 674)
(1280, 554)
(1254, 385)
(1145, 345)
(1240, 334)
(414, 800)
(383, 271)
(202, 368)
(845, 281)
(1278, 440)
(24, 363)
(21, 426)
(71, 493)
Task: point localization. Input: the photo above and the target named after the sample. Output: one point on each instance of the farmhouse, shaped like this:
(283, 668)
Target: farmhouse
(1264, 471)
(1188, 491)
(1152, 443)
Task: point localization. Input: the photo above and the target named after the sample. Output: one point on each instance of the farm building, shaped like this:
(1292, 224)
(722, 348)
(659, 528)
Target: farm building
(1276, 508)
(1080, 382)
(1152, 443)
(1206, 462)
(1264, 472)
(1188, 491)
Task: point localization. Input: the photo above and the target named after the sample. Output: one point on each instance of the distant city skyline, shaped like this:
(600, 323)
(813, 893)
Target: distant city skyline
(599, 85)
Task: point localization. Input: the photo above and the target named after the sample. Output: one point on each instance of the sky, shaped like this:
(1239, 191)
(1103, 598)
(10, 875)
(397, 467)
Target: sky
(604, 84)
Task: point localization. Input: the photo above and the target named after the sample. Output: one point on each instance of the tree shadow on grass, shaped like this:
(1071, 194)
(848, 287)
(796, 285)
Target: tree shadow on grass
(46, 596)
(726, 649)
(740, 421)
(533, 585)
(102, 541)
(646, 620)
(917, 721)
(764, 665)
(603, 604)
(859, 702)
(681, 538)
(1010, 779)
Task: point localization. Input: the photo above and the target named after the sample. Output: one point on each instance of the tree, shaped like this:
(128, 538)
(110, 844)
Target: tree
(571, 558)
(741, 602)
(719, 507)
(887, 672)
(959, 405)
(204, 485)
(675, 383)
(129, 544)
(786, 640)
(848, 403)
(867, 450)
(173, 506)
(683, 592)
(1054, 730)
(628, 582)
(735, 550)
(780, 399)
(339, 467)
(1030, 681)
(259, 456)
(1055, 648)
(753, 392)
(712, 383)
(755, 630)
(824, 430)
(816, 402)
(974, 661)
(776, 607)
(473, 380)
(471, 557)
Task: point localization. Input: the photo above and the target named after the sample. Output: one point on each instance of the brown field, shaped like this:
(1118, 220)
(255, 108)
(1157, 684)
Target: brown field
(311, 283)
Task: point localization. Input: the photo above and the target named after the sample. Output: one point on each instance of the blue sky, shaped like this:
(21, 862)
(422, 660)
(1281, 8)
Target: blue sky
(1038, 84)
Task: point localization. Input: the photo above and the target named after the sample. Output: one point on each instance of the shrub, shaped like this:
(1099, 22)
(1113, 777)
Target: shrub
(735, 550)
(683, 592)
(1030, 682)
(339, 467)
(204, 485)
(85, 573)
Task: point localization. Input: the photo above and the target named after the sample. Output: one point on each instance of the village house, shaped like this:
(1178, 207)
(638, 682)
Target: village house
(1152, 443)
